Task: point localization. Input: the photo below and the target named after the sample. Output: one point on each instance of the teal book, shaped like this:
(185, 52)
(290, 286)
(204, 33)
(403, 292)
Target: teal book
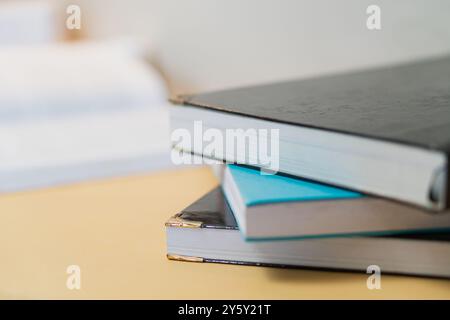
(270, 207)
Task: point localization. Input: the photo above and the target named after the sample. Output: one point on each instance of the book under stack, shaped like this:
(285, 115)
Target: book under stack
(361, 177)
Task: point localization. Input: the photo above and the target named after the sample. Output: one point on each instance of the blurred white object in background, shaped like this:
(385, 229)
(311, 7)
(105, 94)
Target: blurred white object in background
(27, 22)
(76, 111)
(41, 81)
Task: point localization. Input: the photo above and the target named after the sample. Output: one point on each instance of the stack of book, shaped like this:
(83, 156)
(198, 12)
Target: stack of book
(357, 172)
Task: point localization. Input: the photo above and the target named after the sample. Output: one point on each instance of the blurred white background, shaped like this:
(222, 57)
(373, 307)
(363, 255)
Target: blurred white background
(213, 44)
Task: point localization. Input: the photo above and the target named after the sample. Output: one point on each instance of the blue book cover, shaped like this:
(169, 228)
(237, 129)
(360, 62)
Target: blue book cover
(256, 188)
(278, 207)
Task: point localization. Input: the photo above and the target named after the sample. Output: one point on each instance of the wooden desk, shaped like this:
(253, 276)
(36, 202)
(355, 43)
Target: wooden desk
(114, 230)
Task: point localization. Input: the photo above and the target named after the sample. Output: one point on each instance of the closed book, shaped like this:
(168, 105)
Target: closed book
(269, 207)
(383, 131)
(206, 231)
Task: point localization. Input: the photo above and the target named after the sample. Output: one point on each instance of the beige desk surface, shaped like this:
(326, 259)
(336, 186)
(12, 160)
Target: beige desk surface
(114, 230)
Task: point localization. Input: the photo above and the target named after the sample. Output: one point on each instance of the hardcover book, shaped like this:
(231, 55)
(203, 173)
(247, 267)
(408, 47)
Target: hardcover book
(206, 231)
(269, 207)
(383, 131)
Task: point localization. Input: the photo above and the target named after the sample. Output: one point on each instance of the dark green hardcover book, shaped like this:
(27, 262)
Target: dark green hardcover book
(382, 131)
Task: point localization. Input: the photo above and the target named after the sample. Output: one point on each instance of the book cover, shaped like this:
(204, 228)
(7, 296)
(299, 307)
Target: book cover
(206, 231)
(270, 207)
(405, 105)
